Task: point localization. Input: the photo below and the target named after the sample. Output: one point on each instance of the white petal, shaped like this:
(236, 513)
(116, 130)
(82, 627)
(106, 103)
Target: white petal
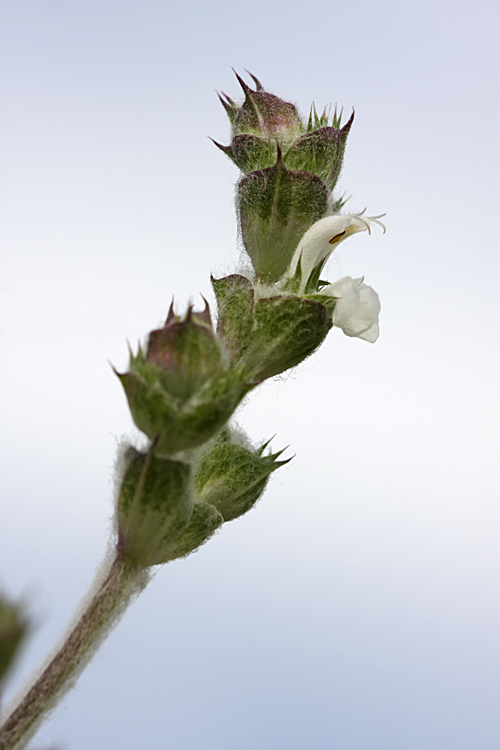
(348, 299)
(321, 239)
(367, 311)
(371, 334)
(370, 297)
(357, 308)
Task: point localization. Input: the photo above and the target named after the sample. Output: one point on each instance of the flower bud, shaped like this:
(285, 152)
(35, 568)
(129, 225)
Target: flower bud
(182, 389)
(231, 476)
(264, 122)
(276, 207)
(155, 504)
(13, 629)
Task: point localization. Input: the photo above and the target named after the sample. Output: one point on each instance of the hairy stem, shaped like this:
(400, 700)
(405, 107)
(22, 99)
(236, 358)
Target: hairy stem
(116, 585)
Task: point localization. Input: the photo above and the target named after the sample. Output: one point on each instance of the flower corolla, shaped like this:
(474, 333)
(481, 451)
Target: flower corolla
(357, 308)
(321, 239)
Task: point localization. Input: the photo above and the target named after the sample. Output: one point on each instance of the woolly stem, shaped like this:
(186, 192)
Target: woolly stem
(117, 583)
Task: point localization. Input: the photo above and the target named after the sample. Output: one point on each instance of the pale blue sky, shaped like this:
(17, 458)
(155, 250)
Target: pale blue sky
(357, 607)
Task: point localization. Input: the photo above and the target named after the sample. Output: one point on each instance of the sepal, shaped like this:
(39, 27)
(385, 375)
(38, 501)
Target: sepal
(230, 107)
(249, 152)
(154, 507)
(276, 207)
(204, 522)
(320, 152)
(286, 330)
(268, 335)
(186, 353)
(232, 476)
(266, 115)
(235, 301)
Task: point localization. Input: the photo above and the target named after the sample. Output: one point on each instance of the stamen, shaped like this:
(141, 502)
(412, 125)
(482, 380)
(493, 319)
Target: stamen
(375, 220)
(336, 238)
(365, 221)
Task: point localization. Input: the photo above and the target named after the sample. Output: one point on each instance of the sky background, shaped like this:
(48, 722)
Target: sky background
(357, 607)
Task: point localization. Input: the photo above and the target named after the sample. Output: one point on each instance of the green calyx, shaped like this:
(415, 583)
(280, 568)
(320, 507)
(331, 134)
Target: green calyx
(287, 330)
(266, 115)
(235, 302)
(183, 389)
(320, 152)
(165, 512)
(155, 504)
(276, 207)
(271, 334)
(186, 353)
(249, 152)
(204, 522)
(231, 476)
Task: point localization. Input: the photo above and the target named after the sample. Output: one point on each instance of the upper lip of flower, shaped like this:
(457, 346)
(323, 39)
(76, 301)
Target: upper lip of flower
(323, 236)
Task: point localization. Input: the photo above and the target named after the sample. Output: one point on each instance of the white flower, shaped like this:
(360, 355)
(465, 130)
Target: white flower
(357, 308)
(320, 241)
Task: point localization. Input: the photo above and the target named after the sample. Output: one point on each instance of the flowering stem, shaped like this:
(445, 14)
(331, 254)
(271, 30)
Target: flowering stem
(117, 583)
